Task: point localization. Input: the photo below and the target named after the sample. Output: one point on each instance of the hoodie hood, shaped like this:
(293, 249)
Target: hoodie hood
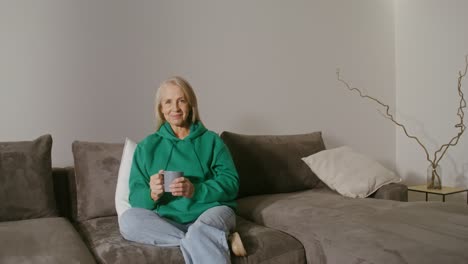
(196, 130)
(181, 147)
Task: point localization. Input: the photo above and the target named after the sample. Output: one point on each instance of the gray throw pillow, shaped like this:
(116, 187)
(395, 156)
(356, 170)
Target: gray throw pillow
(26, 188)
(272, 164)
(96, 171)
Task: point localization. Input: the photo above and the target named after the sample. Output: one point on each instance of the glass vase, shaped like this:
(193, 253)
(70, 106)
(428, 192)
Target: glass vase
(434, 177)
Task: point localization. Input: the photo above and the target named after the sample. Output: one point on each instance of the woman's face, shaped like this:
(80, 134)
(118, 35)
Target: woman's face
(174, 106)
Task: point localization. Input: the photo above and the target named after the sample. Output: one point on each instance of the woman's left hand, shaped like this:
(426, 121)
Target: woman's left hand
(182, 187)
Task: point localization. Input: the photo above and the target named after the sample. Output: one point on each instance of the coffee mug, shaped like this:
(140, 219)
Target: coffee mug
(170, 176)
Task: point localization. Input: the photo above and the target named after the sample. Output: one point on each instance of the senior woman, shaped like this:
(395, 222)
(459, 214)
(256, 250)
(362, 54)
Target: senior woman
(197, 212)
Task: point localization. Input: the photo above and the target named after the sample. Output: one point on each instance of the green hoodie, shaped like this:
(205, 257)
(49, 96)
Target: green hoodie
(203, 158)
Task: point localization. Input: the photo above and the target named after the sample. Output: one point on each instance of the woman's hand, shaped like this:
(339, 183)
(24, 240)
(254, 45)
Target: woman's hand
(182, 187)
(157, 185)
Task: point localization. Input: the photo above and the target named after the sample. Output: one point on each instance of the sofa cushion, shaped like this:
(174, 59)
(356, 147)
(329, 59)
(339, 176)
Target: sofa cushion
(350, 173)
(338, 229)
(123, 190)
(96, 170)
(103, 237)
(266, 245)
(43, 241)
(26, 189)
(392, 191)
(272, 164)
(263, 245)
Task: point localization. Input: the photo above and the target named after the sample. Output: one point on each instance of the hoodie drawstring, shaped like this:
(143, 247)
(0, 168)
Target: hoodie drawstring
(169, 156)
(198, 158)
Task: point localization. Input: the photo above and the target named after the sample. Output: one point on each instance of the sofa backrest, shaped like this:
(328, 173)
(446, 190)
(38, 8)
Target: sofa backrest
(272, 164)
(266, 164)
(96, 173)
(26, 189)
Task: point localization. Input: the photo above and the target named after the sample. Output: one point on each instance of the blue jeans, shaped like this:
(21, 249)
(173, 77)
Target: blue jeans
(203, 241)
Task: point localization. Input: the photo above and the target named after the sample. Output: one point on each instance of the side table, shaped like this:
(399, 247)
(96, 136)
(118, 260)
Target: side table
(444, 191)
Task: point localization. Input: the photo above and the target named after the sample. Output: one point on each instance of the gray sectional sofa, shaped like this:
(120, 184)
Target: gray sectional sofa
(285, 214)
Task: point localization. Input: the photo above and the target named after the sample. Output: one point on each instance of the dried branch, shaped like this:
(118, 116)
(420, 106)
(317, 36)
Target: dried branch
(387, 113)
(443, 149)
(460, 114)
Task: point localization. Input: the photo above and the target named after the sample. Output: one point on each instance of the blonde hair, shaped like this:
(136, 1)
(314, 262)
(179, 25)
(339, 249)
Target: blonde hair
(189, 96)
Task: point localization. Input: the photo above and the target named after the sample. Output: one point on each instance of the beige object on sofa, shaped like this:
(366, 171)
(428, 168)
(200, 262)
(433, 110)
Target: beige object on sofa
(350, 173)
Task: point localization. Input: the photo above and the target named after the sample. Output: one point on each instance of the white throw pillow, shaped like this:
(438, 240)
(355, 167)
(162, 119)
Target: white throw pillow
(122, 191)
(349, 173)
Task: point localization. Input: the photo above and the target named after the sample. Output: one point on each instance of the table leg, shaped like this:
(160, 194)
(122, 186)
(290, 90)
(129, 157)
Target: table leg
(426, 197)
(443, 198)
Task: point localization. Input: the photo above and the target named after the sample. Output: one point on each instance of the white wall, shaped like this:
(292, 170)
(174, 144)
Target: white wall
(88, 69)
(431, 43)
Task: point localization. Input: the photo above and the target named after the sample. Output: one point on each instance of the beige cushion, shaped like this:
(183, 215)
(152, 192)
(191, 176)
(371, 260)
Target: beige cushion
(123, 190)
(96, 169)
(26, 189)
(350, 173)
(272, 164)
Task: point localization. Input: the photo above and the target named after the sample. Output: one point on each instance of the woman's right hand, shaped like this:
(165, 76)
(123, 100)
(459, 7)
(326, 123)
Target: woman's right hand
(157, 185)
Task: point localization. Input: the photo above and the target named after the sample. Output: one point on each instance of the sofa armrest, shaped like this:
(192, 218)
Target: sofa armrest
(392, 191)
